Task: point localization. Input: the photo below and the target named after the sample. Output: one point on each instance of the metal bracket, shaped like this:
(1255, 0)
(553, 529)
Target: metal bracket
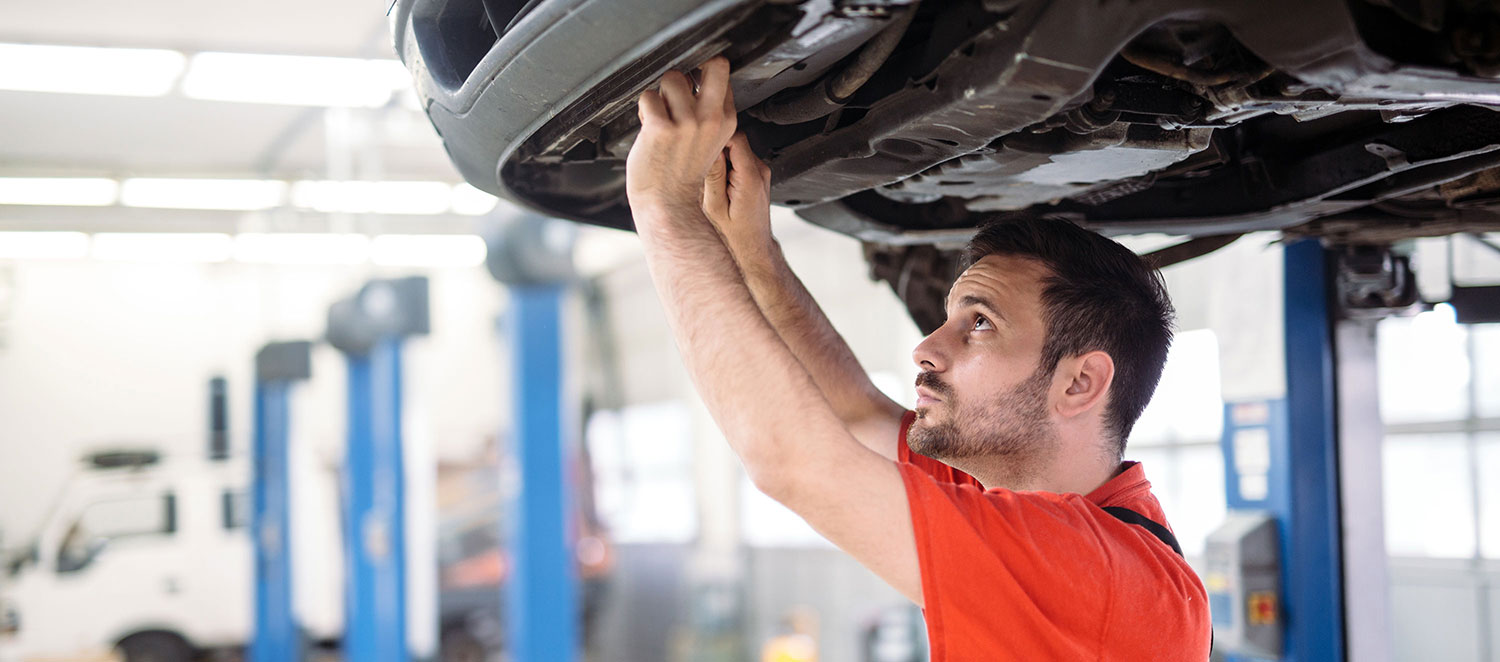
(1375, 281)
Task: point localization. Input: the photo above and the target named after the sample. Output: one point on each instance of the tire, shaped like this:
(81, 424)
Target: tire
(460, 645)
(155, 647)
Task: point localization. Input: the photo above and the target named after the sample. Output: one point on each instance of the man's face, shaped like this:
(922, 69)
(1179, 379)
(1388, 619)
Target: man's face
(980, 392)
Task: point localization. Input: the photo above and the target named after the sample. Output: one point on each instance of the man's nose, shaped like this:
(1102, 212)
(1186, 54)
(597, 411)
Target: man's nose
(930, 354)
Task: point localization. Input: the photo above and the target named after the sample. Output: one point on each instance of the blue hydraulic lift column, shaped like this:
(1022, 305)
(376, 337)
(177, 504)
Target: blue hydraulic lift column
(541, 593)
(533, 258)
(369, 329)
(1281, 457)
(1312, 560)
(278, 636)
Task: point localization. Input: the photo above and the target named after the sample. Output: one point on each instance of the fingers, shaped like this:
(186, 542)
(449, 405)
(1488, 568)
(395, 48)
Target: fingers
(715, 195)
(712, 100)
(729, 110)
(713, 88)
(678, 92)
(652, 109)
(744, 162)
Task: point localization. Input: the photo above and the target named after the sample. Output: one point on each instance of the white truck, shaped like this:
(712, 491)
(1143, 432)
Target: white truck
(149, 558)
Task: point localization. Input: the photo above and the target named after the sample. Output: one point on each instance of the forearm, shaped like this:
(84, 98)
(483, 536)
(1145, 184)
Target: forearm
(764, 400)
(760, 395)
(810, 336)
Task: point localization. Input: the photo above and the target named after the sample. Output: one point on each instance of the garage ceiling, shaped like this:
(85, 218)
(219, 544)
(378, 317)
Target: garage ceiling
(324, 27)
(52, 134)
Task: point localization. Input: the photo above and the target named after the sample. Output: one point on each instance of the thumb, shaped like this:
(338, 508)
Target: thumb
(715, 196)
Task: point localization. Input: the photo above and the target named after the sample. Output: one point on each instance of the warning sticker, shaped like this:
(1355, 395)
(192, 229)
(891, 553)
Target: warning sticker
(1261, 608)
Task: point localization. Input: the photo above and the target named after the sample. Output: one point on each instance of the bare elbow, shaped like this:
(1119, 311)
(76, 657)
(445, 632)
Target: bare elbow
(772, 478)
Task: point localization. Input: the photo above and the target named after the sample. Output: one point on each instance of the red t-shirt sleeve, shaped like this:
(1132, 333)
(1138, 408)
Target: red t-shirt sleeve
(940, 472)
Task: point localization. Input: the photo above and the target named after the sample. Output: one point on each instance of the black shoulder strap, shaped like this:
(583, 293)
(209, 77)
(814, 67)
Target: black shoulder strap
(1129, 516)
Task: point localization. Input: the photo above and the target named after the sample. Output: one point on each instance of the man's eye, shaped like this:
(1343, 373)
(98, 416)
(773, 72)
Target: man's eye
(980, 323)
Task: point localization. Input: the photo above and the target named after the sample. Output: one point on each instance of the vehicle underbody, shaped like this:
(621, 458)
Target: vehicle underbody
(907, 124)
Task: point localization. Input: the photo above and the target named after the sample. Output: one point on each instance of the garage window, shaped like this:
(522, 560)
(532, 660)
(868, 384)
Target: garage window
(643, 464)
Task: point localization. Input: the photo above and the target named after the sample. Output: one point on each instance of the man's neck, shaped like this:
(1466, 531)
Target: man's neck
(1063, 473)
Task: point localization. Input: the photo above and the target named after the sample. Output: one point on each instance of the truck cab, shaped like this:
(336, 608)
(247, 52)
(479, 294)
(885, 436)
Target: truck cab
(141, 557)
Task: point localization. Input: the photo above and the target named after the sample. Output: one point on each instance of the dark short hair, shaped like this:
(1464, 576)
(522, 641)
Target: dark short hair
(1099, 296)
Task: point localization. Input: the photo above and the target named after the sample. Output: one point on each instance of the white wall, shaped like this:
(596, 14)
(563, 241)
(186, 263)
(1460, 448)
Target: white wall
(99, 353)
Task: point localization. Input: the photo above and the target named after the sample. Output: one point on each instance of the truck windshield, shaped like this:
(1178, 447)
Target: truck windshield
(105, 521)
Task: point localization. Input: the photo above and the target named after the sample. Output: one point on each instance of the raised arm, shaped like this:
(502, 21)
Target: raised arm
(762, 398)
(737, 200)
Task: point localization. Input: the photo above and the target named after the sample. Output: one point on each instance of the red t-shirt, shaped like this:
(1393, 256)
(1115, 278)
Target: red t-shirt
(1033, 576)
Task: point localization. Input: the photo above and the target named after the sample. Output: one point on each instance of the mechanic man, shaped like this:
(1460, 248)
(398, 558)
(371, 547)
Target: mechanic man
(986, 505)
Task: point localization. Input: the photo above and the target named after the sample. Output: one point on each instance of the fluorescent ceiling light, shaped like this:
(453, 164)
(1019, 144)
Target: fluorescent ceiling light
(231, 194)
(350, 197)
(471, 201)
(363, 197)
(58, 191)
(294, 79)
(70, 69)
(411, 250)
(163, 247)
(43, 245)
(302, 248)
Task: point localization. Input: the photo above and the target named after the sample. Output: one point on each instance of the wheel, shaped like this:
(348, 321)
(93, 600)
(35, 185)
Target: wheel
(460, 645)
(155, 647)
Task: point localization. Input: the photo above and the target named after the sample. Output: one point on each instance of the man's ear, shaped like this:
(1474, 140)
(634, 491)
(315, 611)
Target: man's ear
(1087, 378)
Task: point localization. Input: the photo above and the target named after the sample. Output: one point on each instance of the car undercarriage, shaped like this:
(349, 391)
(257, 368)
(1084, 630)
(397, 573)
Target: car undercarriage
(907, 124)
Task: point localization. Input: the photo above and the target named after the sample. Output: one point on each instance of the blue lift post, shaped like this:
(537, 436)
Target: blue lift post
(369, 330)
(278, 636)
(533, 258)
(1289, 450)
(542, 591)
(1311, 538)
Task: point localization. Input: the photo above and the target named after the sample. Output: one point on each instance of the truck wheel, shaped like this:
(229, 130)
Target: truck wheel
(459, 645)
(155, 647)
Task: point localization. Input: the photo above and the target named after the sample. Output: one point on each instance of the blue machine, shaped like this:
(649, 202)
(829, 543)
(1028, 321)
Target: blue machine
(1281, 461)
(533, 258)
(278, 636)
(369, 329)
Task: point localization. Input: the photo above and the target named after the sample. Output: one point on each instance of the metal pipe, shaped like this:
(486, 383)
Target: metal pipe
(1164, 64)
(811, 102)
(1187, 250)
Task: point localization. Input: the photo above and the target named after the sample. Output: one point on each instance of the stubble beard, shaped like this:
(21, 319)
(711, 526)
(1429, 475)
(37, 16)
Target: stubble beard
(1013, 428)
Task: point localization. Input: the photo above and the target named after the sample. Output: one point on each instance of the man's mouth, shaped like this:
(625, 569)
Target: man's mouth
(930, 389)
(926, 397)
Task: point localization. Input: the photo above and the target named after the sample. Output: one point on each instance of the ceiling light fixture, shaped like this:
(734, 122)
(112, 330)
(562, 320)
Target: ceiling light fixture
(422, 198)
(294, 80)
(303, 249)
(226, 194)
(43, 245)
(58, 191)
(162, 247)
(136, 72)
(366, 197)
(428, 250)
